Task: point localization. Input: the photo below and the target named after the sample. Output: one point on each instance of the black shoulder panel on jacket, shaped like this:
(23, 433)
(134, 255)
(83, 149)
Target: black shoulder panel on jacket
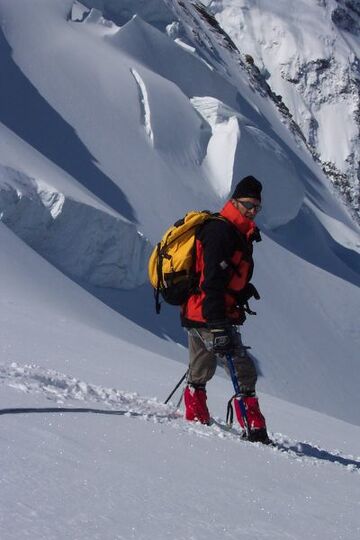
(219, 240)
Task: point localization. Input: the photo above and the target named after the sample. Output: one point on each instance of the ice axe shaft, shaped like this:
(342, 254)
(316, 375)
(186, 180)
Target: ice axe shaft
(238, 397)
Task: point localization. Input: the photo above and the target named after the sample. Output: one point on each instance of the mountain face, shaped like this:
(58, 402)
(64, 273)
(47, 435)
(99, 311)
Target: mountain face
(116, 118)
(309, 53)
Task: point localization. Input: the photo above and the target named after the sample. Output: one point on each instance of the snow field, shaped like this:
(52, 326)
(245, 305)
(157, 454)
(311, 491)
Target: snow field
(63, 389)
(74, 488)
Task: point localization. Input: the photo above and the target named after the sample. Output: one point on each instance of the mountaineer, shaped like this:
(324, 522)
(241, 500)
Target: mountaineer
(218, 305)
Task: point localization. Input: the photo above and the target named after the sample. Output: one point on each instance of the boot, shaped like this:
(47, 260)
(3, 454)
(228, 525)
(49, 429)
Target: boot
(195, 404)
(256, 421)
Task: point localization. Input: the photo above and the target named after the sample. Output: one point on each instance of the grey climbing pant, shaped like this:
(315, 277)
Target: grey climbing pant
(203, 362)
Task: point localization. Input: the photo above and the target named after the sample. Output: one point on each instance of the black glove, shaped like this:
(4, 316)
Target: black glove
(223, 338)
(243, 297)
(248, 292)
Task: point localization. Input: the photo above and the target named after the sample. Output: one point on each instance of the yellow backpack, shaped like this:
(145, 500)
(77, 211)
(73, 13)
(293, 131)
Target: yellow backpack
(171, 264)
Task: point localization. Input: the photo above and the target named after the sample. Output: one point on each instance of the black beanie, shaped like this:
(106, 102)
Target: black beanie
(248, 187)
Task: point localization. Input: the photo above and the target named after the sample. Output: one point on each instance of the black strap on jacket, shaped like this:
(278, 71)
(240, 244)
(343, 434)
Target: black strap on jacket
(159, 274)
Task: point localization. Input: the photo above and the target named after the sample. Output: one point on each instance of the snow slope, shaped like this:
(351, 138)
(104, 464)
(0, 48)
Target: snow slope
(75, 429)
(89, 477)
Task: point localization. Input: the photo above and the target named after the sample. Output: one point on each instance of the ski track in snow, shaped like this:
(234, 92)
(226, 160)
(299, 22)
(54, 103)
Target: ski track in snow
(62, 388)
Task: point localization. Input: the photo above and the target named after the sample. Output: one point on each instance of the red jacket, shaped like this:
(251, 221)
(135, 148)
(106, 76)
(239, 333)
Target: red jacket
(224, 264)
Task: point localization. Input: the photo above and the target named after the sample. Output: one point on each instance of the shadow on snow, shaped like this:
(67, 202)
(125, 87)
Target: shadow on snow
(307, 450)
(88, 410)
(300, 449)
(25, 112)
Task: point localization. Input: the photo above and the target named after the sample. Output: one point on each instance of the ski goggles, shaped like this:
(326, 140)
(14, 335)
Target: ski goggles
(250, 206)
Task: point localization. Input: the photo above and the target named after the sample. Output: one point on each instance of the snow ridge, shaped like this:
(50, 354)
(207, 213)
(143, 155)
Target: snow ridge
(58, 387)
(144, 104)
(83, 241)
